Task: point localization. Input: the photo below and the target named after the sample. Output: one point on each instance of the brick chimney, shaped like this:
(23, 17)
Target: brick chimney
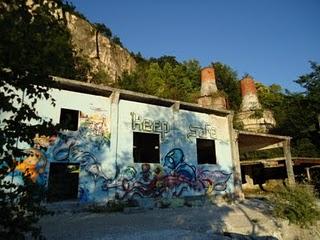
(209, 90)
(208, 81)
(250, 99)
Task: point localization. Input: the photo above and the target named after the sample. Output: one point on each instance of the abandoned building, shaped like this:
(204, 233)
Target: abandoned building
(119, 144)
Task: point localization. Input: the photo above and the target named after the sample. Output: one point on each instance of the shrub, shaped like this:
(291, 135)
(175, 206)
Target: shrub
(298, 204)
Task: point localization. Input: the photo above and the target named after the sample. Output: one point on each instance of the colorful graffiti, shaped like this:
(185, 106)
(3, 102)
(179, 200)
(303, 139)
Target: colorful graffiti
(147, 125)
(174, 178)
(89, 146)
(35, 164)
(95, 124)
(206, 131)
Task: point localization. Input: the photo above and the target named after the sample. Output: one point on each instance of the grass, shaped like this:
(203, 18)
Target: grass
(298, 204)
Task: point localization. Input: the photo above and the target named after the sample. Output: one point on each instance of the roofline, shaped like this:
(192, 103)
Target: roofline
(263, 135)
(73, 85)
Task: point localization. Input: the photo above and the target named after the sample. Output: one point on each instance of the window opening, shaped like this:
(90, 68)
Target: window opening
(146, 147)
(206, 151)
(69, 119)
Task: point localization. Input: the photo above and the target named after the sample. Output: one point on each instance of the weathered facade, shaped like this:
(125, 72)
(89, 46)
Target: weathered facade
(117, 144)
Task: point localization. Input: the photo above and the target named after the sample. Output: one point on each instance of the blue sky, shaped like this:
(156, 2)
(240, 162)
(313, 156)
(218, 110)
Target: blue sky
(272, 40)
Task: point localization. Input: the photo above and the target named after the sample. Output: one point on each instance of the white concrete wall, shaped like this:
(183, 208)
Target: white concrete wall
(108, 170)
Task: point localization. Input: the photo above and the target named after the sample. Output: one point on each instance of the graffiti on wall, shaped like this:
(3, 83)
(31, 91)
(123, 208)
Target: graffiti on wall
(204, 131)
(95, 124)
(146, 125)
(174, 178)
(89, 145)
(34, 164)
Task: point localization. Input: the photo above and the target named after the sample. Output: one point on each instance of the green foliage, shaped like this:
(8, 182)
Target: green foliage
(237, 124)
(103, 29)
(262, 154)
(82, 68)
(311, 82)
(165, 77)
(112, 206)
(19, 211)
(315, 176)
(269, 96)
(33, 45)
(227, 81)
(297, 204)
(116, 40)
(296, 114)
(101, 77)
(171, 60)
(138, 57)
(69, 7)
(257, 114)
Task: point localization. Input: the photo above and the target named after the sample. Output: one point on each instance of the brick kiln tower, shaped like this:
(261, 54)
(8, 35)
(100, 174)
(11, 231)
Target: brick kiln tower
(251, 114)
(209, 94)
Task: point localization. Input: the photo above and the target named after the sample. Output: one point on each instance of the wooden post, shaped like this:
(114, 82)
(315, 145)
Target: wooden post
(289, 166)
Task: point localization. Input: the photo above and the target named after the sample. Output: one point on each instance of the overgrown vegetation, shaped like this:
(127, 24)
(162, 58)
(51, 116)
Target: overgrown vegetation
(101, 77)
(297, 204)
(165, 77)
(33, 45)
(228, 82)
(297, 114)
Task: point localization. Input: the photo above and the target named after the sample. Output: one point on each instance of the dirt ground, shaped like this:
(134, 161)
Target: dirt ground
(249, 219)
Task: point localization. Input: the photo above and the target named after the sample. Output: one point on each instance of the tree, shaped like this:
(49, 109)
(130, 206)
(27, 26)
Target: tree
(311, 82)
(311, 108)
(227, 81)
(297, 113)
(33, 45)
(165, 77)
(115, 39)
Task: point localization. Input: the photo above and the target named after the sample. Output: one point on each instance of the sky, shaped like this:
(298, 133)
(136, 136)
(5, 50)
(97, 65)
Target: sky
(272, 40)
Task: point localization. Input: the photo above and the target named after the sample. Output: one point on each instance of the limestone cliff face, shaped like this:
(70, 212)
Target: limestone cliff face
(113, 59)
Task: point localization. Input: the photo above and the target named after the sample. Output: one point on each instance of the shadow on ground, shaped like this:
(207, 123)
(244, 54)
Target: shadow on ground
(221, 221)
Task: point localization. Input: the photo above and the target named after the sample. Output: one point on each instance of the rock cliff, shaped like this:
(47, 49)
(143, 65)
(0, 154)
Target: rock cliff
(113, 59)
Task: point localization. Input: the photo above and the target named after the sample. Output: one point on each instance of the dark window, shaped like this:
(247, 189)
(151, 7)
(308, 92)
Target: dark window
(69, 119)
(146, 147)
(206, 151)
(63, 181)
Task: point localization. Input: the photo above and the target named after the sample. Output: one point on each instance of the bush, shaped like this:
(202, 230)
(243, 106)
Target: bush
(298, 204)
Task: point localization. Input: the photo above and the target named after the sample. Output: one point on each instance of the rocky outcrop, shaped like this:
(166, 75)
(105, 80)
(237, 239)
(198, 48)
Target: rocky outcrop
(113, 59)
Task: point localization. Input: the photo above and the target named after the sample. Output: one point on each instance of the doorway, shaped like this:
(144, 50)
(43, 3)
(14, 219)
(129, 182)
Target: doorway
(63, 181)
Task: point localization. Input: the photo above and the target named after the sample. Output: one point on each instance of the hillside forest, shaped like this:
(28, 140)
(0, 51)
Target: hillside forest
(297, 113)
